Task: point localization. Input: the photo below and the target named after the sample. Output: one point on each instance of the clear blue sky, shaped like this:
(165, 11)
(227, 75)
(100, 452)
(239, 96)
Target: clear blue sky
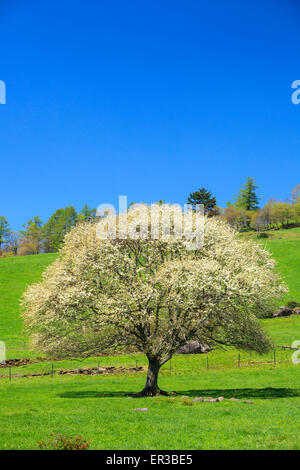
(147, 99)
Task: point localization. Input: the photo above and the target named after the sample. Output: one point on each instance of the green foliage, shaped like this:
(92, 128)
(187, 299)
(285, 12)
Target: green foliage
(205, 197)
(187, 401)
(262, 235)
(293, 304)
(32, 237)
(87, 214)
(59, 224)
(247, 198)
(64, 442)
(4, 230)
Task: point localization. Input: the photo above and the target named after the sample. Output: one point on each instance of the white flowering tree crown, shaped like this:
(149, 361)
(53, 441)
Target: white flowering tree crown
(153, 295)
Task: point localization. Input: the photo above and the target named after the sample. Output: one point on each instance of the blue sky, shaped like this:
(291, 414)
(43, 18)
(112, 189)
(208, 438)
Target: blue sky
(147, 99)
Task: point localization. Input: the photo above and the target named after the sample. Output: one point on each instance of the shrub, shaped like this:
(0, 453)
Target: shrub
(64, 442)
(293, 304)
(262, 235)
(187, 401)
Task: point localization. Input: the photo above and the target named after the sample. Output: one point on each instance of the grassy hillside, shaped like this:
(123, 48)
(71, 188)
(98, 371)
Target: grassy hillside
(15, 275)
(285, 247)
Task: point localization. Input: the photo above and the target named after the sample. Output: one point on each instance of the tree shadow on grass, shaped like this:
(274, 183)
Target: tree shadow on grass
(94, 394)
(261, 393)
(241, 393)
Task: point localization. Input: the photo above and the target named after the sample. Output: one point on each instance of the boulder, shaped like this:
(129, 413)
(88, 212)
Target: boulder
(198, 399)
(296, 311)
(283, 312)
(220, 399)
(193, 347)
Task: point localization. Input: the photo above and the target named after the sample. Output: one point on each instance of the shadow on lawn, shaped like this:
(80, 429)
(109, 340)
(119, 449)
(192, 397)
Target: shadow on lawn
(262, 393)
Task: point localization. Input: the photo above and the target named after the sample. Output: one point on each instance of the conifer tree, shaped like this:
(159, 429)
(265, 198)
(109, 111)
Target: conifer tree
(247, 198)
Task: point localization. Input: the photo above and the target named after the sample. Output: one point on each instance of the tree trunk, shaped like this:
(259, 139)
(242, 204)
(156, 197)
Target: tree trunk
(151, 388)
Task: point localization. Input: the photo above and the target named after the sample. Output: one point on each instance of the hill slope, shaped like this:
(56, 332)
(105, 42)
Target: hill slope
(15, 275)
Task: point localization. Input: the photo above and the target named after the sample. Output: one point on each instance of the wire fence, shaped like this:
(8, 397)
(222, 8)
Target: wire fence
(135, 364)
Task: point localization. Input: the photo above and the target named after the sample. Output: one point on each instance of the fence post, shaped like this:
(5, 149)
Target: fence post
(9, 372)
(207, 363)
(52, 369)
(239, 360)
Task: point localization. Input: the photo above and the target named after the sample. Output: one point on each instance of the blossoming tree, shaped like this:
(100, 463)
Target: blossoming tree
(153, 295)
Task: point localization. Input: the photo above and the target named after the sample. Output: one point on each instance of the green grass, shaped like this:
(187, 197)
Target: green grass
(15, 275)
(287, 254)
(97, 408)
(285, 248)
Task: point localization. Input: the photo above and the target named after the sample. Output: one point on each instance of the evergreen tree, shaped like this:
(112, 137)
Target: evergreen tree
(4, 230)
(87, 214)
(57, 226)
(205, 197)
(247, 198)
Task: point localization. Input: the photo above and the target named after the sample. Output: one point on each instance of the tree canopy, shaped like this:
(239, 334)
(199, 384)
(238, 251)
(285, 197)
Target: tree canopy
(205, 197)
(153, 295)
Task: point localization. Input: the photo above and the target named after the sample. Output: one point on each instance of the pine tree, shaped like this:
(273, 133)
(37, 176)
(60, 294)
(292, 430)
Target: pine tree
(87, 214)
(4, 230)
(247, 198)
(205, 197)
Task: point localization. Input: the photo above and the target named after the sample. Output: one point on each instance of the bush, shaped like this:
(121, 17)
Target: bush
(187, 401)
(64, 442)
(293, 304)
(262, 235)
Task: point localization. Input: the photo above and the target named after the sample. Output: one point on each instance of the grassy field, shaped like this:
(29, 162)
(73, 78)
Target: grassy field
(15, 274)
(97, 406)
(285, 247)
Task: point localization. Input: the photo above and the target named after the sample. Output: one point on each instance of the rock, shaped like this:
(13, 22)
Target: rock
(141, 409)
(193, 347)
(198, 399)
(249, 402)
(234, 399)
(213, 400)
(296, 311)
(220, 399)
(283, 312)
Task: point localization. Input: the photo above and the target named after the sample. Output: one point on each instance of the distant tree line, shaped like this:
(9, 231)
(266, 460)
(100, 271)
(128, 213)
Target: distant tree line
(243, 213)
(38, 237)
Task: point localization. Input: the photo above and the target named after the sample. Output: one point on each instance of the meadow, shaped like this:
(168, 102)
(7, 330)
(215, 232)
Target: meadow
(97, 406)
